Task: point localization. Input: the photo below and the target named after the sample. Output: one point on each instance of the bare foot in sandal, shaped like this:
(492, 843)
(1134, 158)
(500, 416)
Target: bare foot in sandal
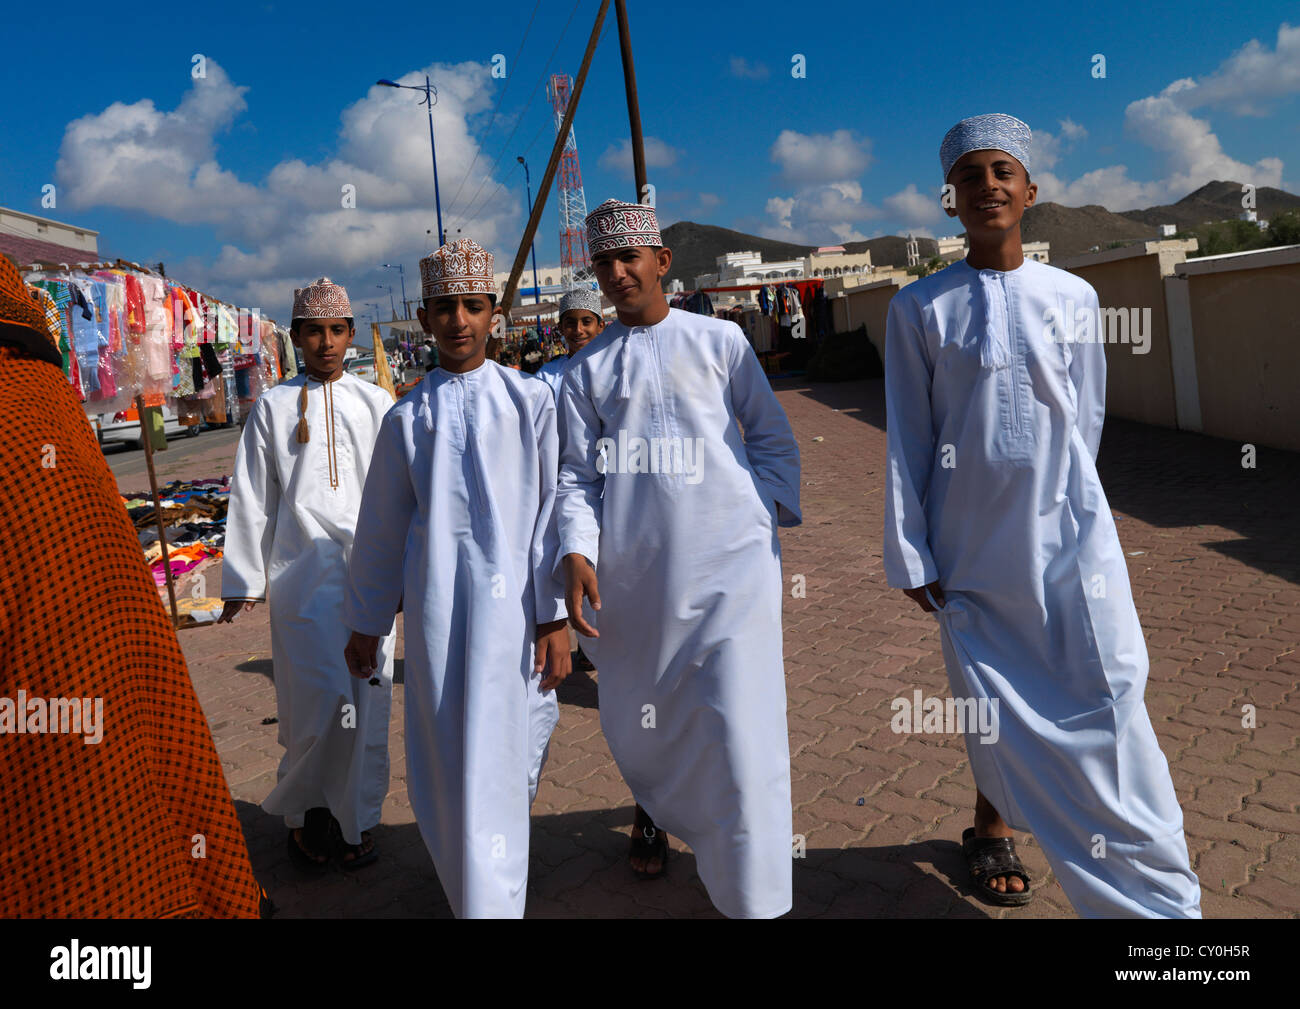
(354, 856)
(989, 823)
(645, 839)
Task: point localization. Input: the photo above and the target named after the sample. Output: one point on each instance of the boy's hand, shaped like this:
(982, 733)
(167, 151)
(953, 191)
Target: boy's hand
(580, 580)
(551, 653)
(362, 654)
(918, 596)
(231, 608)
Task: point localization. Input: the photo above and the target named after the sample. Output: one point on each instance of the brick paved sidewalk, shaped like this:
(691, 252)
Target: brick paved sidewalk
(1215, 564)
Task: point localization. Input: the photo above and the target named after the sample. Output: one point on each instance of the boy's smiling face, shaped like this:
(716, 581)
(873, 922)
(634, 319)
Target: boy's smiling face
(992, 192)
(579, 328)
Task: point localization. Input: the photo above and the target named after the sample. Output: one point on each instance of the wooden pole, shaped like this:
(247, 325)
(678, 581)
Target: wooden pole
(633, 105)
(157, 508)
(383, 375)
(561, 136)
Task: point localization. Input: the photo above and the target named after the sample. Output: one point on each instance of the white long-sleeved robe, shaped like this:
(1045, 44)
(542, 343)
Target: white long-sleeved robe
(293, 510)
(993, 426)
(552, 373)
(458, 516)
(692, 680)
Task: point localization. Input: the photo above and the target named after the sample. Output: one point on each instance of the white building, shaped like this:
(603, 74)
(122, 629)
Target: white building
(1039, 251)
(951, 248)
(833, 261)
(15, 222)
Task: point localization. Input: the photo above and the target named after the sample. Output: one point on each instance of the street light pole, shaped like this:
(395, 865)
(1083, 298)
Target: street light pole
(437, 198)
(391, 304)
(528, 187)
(401, 272)
(430, 97)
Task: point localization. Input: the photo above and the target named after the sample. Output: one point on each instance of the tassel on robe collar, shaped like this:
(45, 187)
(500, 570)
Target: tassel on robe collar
(624, 364)
(995, 351)
(303, 434)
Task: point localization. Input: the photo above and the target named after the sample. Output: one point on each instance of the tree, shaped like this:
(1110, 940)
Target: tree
(933, 264)
(1284, 229)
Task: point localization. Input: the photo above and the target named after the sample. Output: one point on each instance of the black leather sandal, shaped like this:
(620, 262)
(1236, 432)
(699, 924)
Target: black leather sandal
(648, 842)
(990, 857)
(315, 842)
(360, 856)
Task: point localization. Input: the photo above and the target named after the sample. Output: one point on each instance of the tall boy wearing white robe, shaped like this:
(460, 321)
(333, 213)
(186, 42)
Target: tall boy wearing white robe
(294, 497)
(996, 521)
(457, 520)
(663, 498)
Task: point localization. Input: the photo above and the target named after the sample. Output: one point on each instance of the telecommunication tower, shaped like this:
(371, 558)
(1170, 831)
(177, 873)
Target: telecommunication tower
(575, 263)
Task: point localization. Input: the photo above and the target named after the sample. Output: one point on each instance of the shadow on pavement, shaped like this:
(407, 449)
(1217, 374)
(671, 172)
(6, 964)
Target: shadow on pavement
(1177, 479)
(861, 399)
(1169, 479)
(578, 869)
(265, 667)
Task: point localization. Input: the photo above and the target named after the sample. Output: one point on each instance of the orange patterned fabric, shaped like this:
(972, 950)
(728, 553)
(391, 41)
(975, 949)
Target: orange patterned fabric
(113, 828)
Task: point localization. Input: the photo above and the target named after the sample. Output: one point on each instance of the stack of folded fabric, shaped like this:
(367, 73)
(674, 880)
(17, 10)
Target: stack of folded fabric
(194, 516)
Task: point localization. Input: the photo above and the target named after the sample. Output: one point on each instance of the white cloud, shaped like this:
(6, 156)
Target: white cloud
(1109, 187)
(137, 157)
(1192, 153)
(816, 215)
(1189, 152)
(915, 211)
(291, 226)
(827, 203)
(618, 157)
(807, 158)
(1249, 78)
(741, 67)
(1072, 131)
(780, 209)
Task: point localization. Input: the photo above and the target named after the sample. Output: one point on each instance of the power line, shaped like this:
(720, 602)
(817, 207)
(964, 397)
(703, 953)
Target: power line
(473, 204)
(500, 98)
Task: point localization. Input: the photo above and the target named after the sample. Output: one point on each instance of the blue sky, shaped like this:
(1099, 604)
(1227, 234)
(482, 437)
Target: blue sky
(234, 179)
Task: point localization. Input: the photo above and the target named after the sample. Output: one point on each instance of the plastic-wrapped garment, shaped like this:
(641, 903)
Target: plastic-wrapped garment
(185, 321)
(227, 328)
(155, 343)
(61, 298)
(288, 359)
(85, 337)
(174, 305)
(250, 331)
(208, 311)
(188, 412)
(184, 379)
(135, 309)
(115, 312)
(226, 385)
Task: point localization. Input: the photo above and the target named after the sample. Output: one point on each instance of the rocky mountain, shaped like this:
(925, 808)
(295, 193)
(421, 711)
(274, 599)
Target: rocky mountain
(1215, 201)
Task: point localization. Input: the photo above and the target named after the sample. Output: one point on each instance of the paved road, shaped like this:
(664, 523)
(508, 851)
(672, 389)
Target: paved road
(215, 448)
(1215, 566)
